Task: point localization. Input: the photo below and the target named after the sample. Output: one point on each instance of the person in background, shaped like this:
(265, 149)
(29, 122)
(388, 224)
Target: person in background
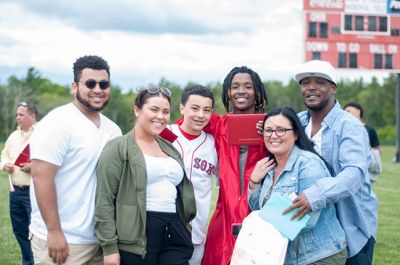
(291, 167)
(358, 112)
(376, 164)
(243, 93)
(199, 156)
(341, 140)
(65, 148)
(144, 199)
(20, 177)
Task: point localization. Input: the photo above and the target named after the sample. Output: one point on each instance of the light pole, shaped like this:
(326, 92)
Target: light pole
(397, 157)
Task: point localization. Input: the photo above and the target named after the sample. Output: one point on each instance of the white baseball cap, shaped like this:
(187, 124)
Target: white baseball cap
(316, 68)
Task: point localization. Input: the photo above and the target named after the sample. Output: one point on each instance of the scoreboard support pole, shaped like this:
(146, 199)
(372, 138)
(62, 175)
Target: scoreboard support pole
(397, 157)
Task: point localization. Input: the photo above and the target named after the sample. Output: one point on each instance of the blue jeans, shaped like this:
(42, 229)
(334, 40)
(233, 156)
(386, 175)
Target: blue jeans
(20, 213)
(364, 257)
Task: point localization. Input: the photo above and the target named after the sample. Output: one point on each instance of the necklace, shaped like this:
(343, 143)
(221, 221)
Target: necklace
(275, 178)
(267, 195)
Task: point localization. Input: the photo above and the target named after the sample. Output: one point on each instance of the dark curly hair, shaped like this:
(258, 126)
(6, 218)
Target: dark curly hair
(89, 61)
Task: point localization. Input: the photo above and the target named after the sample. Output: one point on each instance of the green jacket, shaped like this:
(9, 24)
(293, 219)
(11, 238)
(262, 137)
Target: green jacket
(120, 210)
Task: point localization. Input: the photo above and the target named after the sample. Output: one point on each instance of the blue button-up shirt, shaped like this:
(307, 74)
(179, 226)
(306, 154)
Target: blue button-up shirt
(345, 147)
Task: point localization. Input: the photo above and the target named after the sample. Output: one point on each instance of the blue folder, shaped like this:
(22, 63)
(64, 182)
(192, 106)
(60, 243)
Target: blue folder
(272, 213)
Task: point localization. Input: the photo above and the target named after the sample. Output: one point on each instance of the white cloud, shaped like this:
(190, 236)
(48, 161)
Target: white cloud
(182, 40)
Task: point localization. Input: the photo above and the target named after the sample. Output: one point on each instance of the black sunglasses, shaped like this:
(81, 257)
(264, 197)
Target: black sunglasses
(91, 83)
(22, 104)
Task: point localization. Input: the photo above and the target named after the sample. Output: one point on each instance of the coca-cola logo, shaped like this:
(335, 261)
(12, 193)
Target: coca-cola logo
(327, 4)
(395, 5)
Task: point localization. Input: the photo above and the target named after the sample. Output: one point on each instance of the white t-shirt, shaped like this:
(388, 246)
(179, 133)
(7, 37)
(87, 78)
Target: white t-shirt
(317, 138)
(163, 175)
(201, 162)
(67, 138)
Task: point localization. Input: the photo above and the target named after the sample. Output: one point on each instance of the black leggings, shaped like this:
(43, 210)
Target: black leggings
(169, 242)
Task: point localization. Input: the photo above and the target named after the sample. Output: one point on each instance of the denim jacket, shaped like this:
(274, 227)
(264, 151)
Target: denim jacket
(323, 235)
(345, 147)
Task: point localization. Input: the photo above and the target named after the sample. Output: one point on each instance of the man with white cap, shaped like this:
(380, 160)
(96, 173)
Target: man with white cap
(342, 141)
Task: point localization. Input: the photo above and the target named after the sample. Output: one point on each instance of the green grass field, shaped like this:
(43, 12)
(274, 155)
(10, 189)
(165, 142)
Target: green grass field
(387, 248)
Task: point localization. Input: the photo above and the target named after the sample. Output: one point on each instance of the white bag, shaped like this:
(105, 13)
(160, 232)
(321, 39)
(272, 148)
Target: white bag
(375, 166)
(259, 243)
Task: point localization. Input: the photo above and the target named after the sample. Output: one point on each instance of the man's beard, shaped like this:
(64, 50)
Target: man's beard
(318, 107)
(86, 104)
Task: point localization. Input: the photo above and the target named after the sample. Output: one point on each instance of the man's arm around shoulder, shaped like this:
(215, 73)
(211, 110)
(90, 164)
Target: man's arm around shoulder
(350, 161)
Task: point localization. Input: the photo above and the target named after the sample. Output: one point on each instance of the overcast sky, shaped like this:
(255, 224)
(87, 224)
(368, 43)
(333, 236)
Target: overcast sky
(181, 40)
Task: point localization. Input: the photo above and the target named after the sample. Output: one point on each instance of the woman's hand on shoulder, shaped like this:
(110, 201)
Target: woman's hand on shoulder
(112, 259)
(261, 169)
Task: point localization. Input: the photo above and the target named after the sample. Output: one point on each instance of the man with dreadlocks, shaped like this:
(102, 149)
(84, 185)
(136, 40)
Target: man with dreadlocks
(243, 93)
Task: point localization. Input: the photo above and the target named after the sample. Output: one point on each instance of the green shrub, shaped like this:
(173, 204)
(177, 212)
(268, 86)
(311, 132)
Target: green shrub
(387, 134)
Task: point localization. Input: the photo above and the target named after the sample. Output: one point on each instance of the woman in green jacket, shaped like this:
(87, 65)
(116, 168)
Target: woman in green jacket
(144, 201)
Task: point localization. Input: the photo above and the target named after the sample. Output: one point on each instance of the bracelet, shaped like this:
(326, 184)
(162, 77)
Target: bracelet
(255, 182)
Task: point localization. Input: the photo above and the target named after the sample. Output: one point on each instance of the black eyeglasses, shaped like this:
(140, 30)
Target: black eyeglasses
(156, 89)
(22, 104)
(91, 84)
(279, 132)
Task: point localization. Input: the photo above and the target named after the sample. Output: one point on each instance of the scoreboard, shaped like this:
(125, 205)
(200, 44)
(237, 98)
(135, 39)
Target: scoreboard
(358, 34)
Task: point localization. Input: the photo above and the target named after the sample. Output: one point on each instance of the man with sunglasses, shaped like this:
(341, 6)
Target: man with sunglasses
(64, 152)
(19, 171)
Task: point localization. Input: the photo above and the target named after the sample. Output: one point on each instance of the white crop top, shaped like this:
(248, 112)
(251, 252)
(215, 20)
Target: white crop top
(163, 175)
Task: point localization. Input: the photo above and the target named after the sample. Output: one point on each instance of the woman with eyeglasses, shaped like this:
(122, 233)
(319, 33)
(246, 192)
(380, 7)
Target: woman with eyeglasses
(144, 201)
(293, 166)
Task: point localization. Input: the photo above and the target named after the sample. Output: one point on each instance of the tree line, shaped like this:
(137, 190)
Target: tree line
(377, 98)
